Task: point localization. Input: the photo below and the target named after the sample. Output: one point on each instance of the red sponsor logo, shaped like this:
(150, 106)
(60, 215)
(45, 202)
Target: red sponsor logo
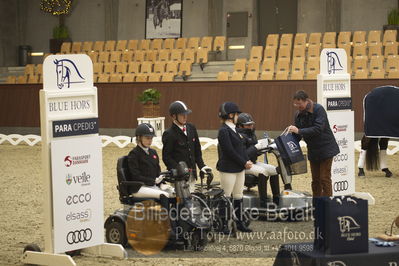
(339, 128)
(68, 161)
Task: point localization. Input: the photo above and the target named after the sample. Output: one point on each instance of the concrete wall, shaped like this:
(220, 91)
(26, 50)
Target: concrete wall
(22, 21)
(317, 15)
(87, 21)
(241, 6)
(311, 14)
(9, 38)
(195, 18)
(131, 19)
(365, 14)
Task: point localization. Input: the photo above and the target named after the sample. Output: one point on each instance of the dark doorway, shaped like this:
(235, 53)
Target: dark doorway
(276, 16)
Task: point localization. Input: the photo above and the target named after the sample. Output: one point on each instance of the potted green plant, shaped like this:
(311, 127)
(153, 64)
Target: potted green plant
(393, 21)
(59, 9)
(60, 35)
(150, 100)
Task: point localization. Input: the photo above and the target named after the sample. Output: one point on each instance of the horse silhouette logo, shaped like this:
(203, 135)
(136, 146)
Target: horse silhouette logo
(347, 223)
(67, 73)
(333, 63)
(295, 259)
(292, 145)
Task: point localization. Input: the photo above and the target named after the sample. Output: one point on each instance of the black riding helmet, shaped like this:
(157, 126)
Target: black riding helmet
(146, 130)
(245, 119)
(228, 108)
(178, 107)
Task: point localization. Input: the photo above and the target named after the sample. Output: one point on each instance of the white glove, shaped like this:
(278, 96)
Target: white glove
(262, 144)
(167, 187)
(159, 179)
(273, 146)
(205, 169)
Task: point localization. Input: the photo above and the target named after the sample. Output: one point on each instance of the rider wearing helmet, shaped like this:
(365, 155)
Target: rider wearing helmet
(246, 127)
(233, 160)
(143, 164)
(181, 143)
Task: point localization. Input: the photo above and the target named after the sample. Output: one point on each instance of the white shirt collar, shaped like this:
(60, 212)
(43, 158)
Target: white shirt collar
(181, 127)
(144, 148)
(231, 125)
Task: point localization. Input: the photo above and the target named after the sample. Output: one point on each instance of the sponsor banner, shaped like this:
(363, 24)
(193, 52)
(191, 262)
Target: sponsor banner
(334, 88)
(68, 106)
(334, 79)
(76, 127)
(67, 72)
(77, 193)
(343, 166)
(339, 103)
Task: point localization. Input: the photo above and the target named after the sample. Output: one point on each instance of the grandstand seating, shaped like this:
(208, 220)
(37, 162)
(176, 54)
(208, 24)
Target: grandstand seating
(373, 54)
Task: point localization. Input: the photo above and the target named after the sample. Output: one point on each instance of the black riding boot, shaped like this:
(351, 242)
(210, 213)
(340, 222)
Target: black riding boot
(225, 215)
(275, 185)
(288, 186)
(387, 172)
(361, 172)
(164, 202)
(238, 210)
(262, 189)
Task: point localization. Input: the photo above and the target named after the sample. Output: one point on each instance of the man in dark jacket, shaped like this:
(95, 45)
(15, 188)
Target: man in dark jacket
(311, 124)
(181, 143)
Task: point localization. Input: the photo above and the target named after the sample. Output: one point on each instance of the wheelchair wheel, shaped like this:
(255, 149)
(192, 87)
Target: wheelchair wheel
(115, 233)
(198, 240)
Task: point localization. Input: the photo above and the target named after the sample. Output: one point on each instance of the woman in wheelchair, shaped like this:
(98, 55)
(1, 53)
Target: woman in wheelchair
(143, 164)
(246, 126)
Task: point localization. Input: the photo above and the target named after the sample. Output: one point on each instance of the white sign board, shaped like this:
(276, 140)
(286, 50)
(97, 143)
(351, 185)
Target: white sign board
(333, 86)
(71, 162)
(342, 170)
(67, 72)
(334, 79)
(77, 193)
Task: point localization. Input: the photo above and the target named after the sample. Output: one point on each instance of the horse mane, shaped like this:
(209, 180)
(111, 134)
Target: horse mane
(73, 64)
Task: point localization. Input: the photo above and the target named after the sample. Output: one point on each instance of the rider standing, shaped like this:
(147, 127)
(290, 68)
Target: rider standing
(233, 160)
(181, 143)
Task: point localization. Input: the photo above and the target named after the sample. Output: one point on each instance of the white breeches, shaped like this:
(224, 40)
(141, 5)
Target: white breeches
(150, 192)
(362, 158)
(261, 168)
(232, 184)
(383, 159)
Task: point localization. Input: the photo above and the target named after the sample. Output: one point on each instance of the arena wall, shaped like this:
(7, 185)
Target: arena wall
(270, 102)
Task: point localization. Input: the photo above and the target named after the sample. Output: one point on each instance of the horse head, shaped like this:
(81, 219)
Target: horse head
(59, 72)
(64, 70)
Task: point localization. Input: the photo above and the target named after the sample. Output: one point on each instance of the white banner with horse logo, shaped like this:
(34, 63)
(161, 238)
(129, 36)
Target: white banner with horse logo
(333, 82)
(72, 164)
(67, 72)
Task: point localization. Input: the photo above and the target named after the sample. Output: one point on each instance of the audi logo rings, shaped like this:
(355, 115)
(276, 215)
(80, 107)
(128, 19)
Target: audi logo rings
(79, 236)
(341, 186)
